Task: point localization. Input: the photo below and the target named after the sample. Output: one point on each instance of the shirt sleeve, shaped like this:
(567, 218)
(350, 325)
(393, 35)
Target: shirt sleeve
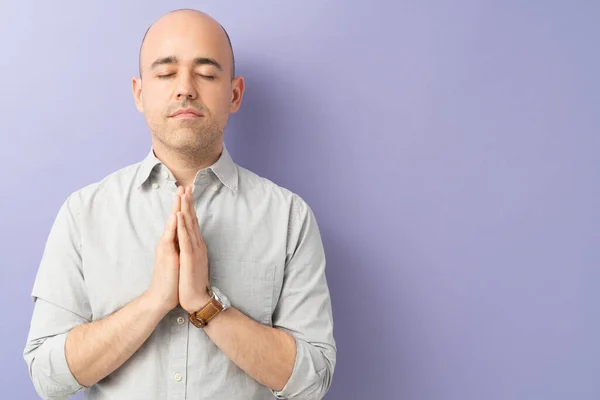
(304, 308)
(60, 304)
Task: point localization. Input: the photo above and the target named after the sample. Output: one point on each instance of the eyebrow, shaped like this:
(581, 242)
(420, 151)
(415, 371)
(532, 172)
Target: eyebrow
(197, 61)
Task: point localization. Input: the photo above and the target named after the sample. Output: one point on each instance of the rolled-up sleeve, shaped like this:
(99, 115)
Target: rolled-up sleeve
(60, 304)
(304, 308)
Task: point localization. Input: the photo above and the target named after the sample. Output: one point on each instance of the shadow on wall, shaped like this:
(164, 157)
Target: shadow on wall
(266, 134)
(255, 132)
(373, 348)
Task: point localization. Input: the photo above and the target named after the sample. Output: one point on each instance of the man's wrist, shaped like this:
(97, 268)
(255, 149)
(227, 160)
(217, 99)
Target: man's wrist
(198, 302)
(207, 310)
(153, 306)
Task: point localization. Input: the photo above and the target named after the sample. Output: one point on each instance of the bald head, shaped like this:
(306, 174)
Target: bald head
(186, 21)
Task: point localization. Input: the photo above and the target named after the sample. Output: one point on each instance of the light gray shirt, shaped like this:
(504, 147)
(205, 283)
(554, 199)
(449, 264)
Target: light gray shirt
(265, 254)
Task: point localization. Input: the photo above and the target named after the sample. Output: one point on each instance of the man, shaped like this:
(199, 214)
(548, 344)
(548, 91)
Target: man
(184, 276)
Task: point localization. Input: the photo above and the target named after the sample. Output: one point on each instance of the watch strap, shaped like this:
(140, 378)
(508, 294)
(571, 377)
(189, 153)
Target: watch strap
(202, 317)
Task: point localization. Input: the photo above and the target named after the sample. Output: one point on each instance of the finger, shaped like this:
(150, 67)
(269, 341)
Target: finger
(185, 243)
(185, 207)
(190, 214)
(176, 203)
(195, 223)
(170, 229)
(193, 216)
(193, 209)
(176, 207)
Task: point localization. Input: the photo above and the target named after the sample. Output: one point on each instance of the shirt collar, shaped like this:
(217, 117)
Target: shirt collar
(224, 169)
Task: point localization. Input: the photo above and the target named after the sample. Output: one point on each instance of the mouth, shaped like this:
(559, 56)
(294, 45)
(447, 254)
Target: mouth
(187, 113)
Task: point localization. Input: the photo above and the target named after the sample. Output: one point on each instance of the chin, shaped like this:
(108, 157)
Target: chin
(190, 142)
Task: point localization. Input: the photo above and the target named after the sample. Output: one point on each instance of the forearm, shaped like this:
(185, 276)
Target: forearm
(266, 354)
(96, 349)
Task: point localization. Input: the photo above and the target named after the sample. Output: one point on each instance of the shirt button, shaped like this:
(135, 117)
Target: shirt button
(180, 320)
(215, 188)
(178, 377)
(155, 186)
(166, 175)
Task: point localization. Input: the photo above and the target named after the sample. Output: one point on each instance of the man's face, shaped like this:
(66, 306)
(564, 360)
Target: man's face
(186, 63)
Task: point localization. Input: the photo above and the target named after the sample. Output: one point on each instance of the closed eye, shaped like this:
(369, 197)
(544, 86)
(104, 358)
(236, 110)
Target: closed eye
(209, 77)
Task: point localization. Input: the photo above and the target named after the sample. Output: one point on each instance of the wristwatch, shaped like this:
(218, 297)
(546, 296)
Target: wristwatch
(218, 303)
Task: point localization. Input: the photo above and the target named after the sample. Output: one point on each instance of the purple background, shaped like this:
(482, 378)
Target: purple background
(448, 149)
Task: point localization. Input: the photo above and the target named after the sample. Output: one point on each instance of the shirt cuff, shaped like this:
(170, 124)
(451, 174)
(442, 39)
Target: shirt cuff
(307, 375)
(55, 371)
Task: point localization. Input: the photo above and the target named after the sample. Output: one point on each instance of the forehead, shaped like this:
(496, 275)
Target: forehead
(186, 37)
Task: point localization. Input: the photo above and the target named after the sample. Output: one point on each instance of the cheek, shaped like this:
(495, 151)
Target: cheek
(220, 105)
(154, 108)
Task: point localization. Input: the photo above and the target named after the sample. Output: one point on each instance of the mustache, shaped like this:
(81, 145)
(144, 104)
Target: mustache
(188, 103)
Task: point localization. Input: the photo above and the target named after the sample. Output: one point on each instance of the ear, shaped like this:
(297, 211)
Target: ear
(237, 92)
(136, 87)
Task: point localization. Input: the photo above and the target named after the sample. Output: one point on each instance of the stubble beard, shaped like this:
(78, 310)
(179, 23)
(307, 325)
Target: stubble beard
(189, 139)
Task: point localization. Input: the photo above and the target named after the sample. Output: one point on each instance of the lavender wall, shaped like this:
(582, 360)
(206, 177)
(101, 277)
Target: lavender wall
(448, 149)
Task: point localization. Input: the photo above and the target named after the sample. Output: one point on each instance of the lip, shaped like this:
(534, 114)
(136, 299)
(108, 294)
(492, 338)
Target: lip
(187, 113)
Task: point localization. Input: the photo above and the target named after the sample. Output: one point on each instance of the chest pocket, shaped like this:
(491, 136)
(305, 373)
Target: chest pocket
(248, 285)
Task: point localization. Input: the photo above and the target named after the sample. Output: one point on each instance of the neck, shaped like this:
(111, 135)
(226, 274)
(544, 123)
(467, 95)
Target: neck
(185, 164)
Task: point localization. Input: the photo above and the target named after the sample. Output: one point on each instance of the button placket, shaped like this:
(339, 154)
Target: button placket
(178, 356)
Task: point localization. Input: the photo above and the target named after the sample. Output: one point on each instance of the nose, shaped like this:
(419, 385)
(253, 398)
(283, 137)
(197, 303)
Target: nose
(185, 88)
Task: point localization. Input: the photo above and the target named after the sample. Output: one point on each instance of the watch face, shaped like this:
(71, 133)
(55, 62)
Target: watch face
(221, 298)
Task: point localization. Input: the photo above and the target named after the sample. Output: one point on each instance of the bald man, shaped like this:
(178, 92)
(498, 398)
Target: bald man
(184, 276)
